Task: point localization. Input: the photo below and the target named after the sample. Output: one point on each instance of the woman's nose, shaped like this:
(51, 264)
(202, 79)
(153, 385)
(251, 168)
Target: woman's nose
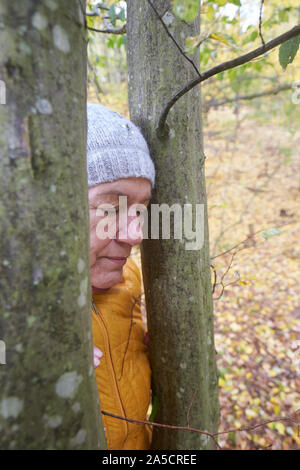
(129, 230)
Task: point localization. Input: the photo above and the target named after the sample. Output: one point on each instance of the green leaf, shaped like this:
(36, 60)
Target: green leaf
(210, 13)
(220, 76)
(154, 408)
(120, 41)
(288, 51)
(205, 56)
(251, 38)
(100, 60)
(121, 15)
(232, 75)
(186, 10)
(111, 41)
(112, 15)
(283, 14)
(220, 3)
(271, 233)
(236, 2)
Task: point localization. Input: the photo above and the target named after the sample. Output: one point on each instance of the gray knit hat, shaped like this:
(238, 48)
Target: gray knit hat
(116, 147)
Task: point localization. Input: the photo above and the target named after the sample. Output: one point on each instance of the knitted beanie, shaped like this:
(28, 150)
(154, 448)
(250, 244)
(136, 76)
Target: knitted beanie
(116, 147)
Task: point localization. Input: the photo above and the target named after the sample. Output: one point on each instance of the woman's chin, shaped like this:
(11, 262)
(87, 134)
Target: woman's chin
(97, 289)
(109, 280)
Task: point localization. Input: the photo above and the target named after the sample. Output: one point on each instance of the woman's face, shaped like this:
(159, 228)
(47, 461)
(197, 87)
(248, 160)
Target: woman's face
(105, 271)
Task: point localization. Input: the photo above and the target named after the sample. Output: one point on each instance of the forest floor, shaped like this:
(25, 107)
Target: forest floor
(253, 186)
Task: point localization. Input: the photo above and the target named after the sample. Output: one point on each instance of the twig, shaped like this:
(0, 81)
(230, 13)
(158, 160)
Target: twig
(245, 240)
(110, 30)
(95, 79)
(173, 39)
(240, 243)
(215, 278)
(162, 128)
(272, 91)
(224, 274)
(260, 23)
(257, 425)
(212, 435)
(97, 7)
(169, 426)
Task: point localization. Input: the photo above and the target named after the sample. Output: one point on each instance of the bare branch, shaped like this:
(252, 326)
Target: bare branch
(97, 7)
(260, 22)
(110, 30)
(162, 128)
(272, 91)
(289, 419)
(169, 426)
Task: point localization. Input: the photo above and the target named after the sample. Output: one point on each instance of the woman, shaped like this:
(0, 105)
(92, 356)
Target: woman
(118, 163)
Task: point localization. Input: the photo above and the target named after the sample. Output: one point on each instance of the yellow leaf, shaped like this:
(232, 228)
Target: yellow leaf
(243, 283)
(274, 400)
(219, 37)
(222, 382)
(276, 409)
(280, 428)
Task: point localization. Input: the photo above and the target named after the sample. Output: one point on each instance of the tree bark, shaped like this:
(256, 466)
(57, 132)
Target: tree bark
(177, 281)
(48, 391)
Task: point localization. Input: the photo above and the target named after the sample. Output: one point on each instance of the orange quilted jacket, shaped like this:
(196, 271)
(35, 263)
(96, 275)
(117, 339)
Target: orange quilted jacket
(124, 393)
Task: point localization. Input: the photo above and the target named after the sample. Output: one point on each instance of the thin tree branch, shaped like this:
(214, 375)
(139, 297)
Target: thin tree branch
(215, 278)
(110, 30)
(97, 7)
(162, 128)
(212, 435)
(264, 423)
(272, 91)
(247, 239)
(173, 39)
(95, 78)
(260, 22)
(169, 426)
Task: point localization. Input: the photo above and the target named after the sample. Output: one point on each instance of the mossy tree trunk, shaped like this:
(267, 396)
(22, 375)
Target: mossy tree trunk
(48, 391)
(177, 281)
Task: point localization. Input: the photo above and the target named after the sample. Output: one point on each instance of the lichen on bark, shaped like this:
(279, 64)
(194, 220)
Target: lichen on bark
(44, 232)
(177, 282)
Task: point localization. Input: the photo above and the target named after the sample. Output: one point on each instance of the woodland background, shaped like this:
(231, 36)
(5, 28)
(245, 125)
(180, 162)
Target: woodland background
(253, 183)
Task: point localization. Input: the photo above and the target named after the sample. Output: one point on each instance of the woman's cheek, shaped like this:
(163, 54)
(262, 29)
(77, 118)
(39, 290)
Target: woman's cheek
(97, 246)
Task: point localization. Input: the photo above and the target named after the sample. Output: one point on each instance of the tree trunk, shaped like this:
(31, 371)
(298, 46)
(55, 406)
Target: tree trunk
(177, 281)
(48, 391)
